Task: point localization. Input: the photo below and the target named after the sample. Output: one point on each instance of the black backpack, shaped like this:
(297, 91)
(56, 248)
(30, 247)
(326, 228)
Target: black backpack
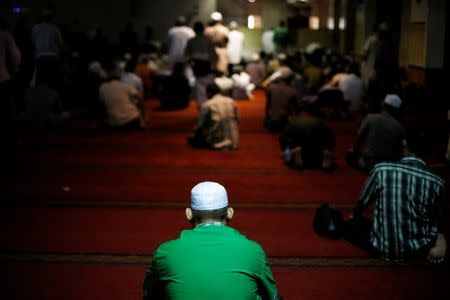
(328, 222)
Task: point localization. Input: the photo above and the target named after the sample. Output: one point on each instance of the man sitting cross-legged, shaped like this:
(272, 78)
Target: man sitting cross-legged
(407, 199)
(217, 125)
(212, 260)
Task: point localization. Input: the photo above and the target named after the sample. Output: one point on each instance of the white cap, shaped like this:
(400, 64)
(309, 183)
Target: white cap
(233, 25)
(208, 196)
(393, 100)
(216, 16)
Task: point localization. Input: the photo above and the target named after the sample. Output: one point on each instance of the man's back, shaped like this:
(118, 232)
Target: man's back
(117, 98)
(220, 118)
(281, 99)
(211, 261)
(407, 198)
(178, 37)
(385, 136)
(47, 39)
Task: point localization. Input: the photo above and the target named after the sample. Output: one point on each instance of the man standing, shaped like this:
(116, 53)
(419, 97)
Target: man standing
(201, 55)
(407, 199)
(235, 45)
(48, 43)
(212, 260)
(217, 126)
(177, 39)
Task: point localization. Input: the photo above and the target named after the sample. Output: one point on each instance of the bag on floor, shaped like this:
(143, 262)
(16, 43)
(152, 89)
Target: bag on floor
(328, 222)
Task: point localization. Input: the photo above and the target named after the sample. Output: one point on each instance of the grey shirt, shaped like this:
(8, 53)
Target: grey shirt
(384, 135)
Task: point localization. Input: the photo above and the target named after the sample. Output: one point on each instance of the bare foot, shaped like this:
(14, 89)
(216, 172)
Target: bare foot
(437, 253)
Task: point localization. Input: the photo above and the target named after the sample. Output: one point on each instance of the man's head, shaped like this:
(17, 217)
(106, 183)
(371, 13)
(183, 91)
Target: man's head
(212, 89)
(216, 17)
(181, 21)
(417, 143)
(392, 104)
(209, 203)
(199, 28)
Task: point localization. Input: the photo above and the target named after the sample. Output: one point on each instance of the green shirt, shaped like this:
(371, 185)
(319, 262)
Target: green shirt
(211, 261)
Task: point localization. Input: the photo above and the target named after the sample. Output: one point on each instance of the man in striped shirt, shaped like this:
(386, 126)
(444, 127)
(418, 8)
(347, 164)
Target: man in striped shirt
(406, 198)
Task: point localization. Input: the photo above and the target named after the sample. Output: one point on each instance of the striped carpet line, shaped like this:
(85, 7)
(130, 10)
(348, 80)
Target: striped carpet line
(151, 205)
(284, 262)
(281, 170)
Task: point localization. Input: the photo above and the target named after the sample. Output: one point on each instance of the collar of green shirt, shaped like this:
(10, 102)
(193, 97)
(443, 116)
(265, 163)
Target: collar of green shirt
(211, 223)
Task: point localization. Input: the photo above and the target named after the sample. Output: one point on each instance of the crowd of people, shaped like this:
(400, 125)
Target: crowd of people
(303, 88)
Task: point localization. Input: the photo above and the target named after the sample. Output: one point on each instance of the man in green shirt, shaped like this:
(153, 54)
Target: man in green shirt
(212, 260)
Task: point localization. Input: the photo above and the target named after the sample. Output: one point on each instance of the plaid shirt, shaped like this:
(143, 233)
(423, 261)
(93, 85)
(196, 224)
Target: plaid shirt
(407, 198)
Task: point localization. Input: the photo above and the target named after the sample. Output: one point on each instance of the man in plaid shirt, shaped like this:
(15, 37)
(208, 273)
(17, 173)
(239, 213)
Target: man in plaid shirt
(407, 199)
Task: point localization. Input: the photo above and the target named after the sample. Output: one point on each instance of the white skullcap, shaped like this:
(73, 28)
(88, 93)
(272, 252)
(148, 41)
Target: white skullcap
(216, 16)
(393, 100)
(208, 196)
(233, 25)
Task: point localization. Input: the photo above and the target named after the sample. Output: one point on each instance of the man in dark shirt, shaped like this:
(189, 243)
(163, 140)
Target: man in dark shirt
(307, 142)
(382, 134)
(281, 98)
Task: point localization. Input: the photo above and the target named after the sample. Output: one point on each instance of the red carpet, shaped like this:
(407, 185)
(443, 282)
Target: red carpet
(81, 190)
(123, 282)
(132, 231)
(173, 185)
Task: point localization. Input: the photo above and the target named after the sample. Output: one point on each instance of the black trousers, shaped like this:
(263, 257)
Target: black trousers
(357, 231)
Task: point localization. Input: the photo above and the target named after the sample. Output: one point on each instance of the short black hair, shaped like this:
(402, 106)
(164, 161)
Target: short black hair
(199, 27)
(199, 216)
(418, 142)
(212, 89)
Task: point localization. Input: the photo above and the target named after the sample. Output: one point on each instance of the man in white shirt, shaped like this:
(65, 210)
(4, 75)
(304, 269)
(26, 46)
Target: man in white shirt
(235, 45)
(177, 39)
(123, 104)
(267, 41)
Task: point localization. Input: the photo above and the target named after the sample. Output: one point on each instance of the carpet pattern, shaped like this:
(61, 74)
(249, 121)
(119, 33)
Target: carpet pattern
(84, 208)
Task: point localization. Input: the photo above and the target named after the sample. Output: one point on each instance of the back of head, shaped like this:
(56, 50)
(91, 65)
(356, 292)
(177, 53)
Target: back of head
(417, 143)
(199, 28)
(216, 17)
(181, 21)
(209, 202)
(392, 104)
(353, 68)
(46, 16)
(212, 89)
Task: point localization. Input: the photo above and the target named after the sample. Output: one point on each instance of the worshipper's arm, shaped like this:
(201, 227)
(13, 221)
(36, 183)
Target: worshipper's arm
(267, 289)
(369, 193)
(271, 78)
(152, 286)
(333, 82)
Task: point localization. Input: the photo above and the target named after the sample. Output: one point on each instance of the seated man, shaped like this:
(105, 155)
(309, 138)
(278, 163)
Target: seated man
(281, 98)
(383, 134)
(217, 126)
(123, 103)
(212, 260)
(307, 142)
(407, 199)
